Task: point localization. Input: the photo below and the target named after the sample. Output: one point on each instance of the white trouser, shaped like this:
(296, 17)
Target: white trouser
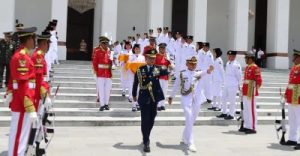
(217, 93)
(229, 95)
(164, 87)
(19, 132)
(124, 78)
(250, 114)
(130, 78)
(207, 82)
(97, 89)
(104, 85)
(49, 65)
(294, 121)
(191, 105)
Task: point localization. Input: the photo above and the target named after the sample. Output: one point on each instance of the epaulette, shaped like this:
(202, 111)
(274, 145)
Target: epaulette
(183, 71)
(40, 52)
(23, 52)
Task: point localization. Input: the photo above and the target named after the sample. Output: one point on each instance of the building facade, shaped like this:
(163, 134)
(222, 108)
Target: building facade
(272, 25)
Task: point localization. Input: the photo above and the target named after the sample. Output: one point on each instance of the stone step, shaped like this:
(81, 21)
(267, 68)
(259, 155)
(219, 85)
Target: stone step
(119, 91)
(126, 112)
(118, 97)
(136, 121)
(126, 104)
(92, 84)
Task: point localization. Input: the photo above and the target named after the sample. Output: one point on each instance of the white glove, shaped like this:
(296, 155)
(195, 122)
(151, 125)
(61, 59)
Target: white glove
(7, 99)
(48, 103)
(33, 118)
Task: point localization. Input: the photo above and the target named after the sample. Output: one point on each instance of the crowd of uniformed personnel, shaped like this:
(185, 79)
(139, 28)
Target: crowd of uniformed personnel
(22, 56)
(147, 64)
(199, 73)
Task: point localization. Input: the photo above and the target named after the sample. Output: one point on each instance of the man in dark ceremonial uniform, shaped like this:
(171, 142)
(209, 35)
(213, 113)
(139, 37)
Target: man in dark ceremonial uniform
(150, 93)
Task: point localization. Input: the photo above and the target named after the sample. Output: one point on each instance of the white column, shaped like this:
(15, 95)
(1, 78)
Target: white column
(7, 16)
(156, 14)
(278, 34)
(109, 19)
(97, 22)
(197, 19)
(238, 22)
(59, 11)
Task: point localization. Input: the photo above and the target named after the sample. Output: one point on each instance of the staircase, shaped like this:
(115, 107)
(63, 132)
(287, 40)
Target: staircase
(76, 104)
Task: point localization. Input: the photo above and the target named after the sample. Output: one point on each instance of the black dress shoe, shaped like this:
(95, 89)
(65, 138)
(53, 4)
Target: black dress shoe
(106, 107)
(98, 100)
(123, 94)
(243, 130)
(250, 131)
(102, 108)
(222, 116)
(290, 143)
(208, 101)
(134, 109)
(163, 108)
(129, 100)
(158, 108)
(297, 147)
(211, 108)
(228, 117)
(217, 110)
(146, 148)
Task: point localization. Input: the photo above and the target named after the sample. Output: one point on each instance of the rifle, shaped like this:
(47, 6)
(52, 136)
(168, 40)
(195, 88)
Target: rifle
(241, 117)
(282, 122)
(39, 131)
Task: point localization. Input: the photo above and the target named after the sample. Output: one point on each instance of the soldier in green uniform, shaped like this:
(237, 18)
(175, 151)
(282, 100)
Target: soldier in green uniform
(7, 49)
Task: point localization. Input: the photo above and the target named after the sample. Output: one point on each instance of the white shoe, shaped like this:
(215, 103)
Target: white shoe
(192, 148)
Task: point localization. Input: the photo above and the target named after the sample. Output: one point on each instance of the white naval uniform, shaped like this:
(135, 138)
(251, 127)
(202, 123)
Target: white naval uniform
(160, 38)
(191, 103)
(123, 72)
(205, 60)
(143, 44)
(233, 76)
(184, 52)
(218, 80)
(130, 74)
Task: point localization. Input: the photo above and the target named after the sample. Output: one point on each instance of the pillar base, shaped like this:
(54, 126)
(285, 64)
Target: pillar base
(278, 62)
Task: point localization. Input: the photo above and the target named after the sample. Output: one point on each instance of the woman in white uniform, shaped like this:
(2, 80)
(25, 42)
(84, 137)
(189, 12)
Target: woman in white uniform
(136, 56)
(218, 79)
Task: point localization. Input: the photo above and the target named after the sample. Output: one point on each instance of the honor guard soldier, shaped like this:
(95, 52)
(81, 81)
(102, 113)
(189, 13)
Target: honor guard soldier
(102, 65)
(7, 49)
(152, 44)
(191, 100)
(232, 79)
(292, 95)
(38, 59)
(252, 82)
(21, 88)
(150, 93)
(217, 79)
(163, 61)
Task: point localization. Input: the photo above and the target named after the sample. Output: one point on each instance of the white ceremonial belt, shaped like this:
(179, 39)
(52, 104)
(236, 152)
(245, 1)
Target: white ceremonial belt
(31, 85)
(103, 66)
